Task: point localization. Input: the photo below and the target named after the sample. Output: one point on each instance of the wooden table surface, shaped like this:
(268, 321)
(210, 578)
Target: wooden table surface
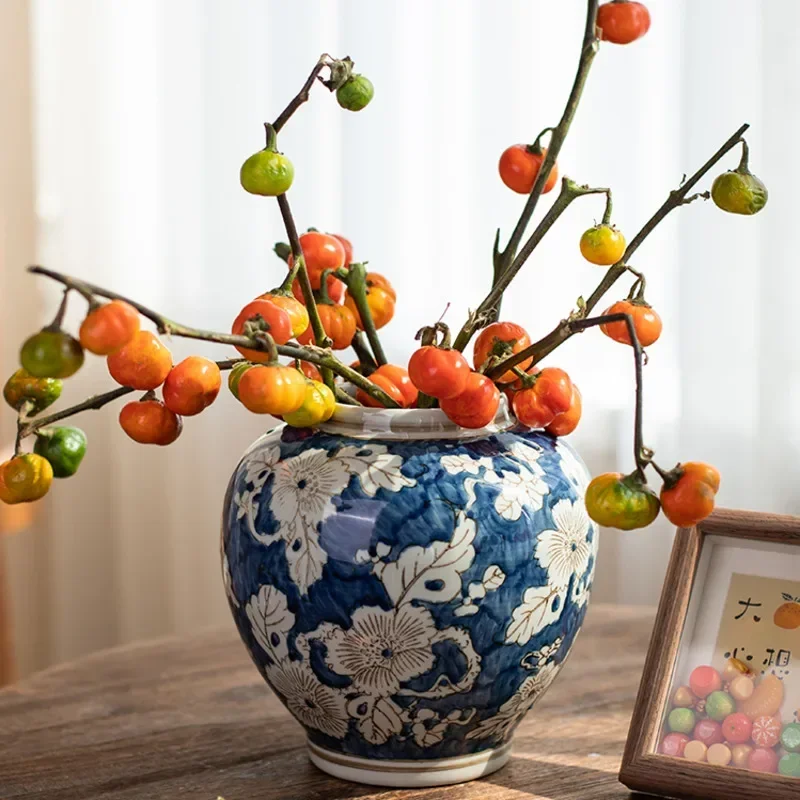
(192, 718)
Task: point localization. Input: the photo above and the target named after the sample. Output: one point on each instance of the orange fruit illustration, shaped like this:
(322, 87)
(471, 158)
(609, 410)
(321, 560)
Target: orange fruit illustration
(788, 616)
(766, 700)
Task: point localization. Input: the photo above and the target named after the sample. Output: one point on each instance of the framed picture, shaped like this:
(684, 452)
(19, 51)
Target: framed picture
(718, 710)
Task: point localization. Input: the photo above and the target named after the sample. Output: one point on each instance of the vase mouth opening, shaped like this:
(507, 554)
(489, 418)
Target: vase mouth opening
(410, 423)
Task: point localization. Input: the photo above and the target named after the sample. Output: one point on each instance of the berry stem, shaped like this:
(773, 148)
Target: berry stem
(366, 360)
(504, 259)
(481, 316)
(744, 162)
(320, 337)
(638, 443)
(302, 96)
(322, 357)
(564, 330)
(609, 208)
(58, 320)
(356, 281)
(272, 137)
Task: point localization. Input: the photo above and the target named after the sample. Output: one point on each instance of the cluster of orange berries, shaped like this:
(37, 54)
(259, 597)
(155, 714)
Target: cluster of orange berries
(296, 393)
(139, 360)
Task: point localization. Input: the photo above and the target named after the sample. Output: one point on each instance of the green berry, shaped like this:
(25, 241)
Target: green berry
(51, 354)
(739, 193)
(267, 173)
(64, 448)
(39, 393)
(681, 720)
(355, 93)
(720, 705)
(235, 375)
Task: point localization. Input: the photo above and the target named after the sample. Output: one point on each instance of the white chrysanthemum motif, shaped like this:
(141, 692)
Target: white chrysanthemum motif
(383, 649)
(565, 552)
(305, 485)
(270, 621)
(312, 703)
(515, 708)
(572, 467)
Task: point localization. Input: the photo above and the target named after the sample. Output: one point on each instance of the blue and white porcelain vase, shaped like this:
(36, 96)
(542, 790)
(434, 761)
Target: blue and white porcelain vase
(408, 588)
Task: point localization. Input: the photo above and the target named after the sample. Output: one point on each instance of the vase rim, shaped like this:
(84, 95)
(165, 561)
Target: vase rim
(361, 422)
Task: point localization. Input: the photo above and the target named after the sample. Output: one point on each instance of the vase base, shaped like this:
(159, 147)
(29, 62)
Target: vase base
(409, 774)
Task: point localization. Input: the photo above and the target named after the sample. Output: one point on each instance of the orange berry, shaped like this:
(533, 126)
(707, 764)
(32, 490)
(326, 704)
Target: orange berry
(646, 323)
(298, 314)
(690, 499)
(476, 406)
(566, 422)
(338, 323)
(192, 386)
(279, 326)
(395, 382)
(143, 363)
(380, 303)
(274, 389)
(501, 339)
(109, 327)
(310, 371)
(150, 422)
(519, 168)
(382, 382)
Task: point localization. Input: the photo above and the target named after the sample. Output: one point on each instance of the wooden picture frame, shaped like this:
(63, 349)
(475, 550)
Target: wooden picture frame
(643, 768)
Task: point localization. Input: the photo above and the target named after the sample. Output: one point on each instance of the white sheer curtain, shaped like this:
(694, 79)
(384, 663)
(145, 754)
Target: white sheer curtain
(144, 111)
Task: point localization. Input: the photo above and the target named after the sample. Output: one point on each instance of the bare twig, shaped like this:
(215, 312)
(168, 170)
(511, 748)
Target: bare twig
(563, 331)
(481, 316)
(322, 357)
(589, 48)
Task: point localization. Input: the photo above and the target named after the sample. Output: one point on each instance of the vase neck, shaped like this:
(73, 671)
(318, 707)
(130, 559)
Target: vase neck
(412, 423)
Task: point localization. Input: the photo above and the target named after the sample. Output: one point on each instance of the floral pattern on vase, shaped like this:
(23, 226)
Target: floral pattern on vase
(408, 599)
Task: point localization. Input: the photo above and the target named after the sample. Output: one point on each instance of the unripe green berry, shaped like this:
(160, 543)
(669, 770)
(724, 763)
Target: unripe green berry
(739, 193)
(267, 173)
(355, 93)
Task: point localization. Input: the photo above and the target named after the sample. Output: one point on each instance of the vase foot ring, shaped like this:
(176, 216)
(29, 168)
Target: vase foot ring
(409, 774)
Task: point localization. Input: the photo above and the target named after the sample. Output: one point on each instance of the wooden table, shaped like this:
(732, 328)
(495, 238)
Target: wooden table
(192, 718)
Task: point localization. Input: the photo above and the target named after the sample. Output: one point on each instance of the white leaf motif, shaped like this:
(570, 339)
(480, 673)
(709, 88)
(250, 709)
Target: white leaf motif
(383, 718)
(374, 468)
(493, 578)
(469, 488)
(466, 611)
(535, 613)
(442, 563)
(304, 555)
(260, 466)
(456, 464)
(270, 620)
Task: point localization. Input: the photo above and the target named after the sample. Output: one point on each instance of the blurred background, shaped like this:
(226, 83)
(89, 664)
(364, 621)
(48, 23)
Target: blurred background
(124, 123)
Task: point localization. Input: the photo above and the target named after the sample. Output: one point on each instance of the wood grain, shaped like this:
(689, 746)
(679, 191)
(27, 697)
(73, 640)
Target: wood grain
(192, 718)
(642, 769)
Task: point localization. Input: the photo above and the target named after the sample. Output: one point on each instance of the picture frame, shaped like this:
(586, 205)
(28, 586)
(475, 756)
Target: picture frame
(728, 549)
